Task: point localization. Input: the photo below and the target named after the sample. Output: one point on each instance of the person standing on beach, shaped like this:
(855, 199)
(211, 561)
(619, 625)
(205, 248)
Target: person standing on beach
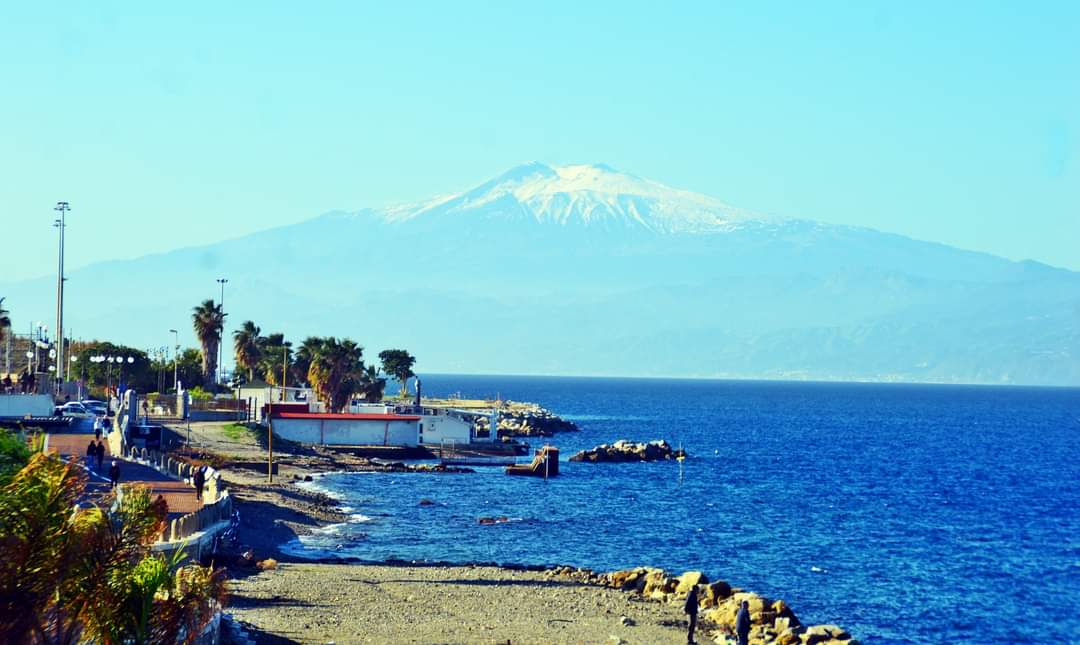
(742, 624)
(100, 452)
(114, 474)
(691, 608)
(198, 480)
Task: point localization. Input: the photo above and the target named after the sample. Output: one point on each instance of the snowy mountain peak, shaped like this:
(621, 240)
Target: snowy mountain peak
(582, 195)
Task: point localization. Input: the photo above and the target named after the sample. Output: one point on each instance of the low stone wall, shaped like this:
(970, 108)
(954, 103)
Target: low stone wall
(217, 503)
(201, 520)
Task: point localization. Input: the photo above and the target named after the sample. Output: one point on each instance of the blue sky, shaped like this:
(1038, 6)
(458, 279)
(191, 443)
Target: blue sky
(167, 127)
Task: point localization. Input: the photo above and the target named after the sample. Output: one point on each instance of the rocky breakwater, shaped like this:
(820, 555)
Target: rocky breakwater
(773, 622)
(527, 420)
(624, 450)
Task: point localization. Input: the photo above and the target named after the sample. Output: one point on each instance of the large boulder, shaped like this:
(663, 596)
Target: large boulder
(728, 608)
(628, 580)
(658, 584)
(623, 450)
(715, 593)
(689, 580)
(817, 634)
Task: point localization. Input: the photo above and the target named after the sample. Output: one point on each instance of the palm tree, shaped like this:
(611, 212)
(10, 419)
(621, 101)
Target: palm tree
(276, 353)
(246, 345)
(208, 320)
(5, 320)
(374, 384)
(337, 372)
(306, 353)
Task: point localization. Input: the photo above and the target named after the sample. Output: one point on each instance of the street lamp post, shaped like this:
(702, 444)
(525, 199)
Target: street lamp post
(97, 360)
(108, 378)
(122, 360)
(71, 360)
(62, 208)
(270, 436)
(176, 353)
(221, 345)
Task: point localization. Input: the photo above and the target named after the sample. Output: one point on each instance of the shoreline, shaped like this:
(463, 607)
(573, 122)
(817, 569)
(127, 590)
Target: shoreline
(639, 605)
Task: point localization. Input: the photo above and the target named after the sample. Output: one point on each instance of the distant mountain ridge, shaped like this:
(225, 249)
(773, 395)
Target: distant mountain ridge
(586, 270)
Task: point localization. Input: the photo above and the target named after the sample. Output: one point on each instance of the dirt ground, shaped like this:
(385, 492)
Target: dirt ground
(341, 603)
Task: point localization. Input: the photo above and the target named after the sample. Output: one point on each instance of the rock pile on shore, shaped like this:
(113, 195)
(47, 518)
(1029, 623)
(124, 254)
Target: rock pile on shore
(624, 450)
(773, 622)
(527, 420)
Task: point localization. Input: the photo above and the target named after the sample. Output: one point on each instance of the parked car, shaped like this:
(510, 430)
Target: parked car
(76, 410)
(99, 408)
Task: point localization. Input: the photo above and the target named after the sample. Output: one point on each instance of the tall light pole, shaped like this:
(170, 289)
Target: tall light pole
(62, 208)
(221, 343)
(175, 357)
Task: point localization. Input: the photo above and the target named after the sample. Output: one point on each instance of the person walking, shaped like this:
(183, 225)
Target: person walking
(97, 427)
(691, 608)
(742, 624)
(100, 454)
(198, 480)
(114, 474)
(91, 452)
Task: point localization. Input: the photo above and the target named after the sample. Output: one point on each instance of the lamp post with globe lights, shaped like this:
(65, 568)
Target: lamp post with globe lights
(122, 360)
(97, 360)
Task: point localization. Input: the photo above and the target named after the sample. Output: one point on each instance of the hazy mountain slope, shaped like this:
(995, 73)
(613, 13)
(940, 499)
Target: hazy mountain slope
(583, 269)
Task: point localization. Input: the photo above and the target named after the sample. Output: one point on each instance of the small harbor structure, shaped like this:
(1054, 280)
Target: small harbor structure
(382, 425)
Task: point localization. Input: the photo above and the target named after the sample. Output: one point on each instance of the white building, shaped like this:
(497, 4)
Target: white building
(375, 425)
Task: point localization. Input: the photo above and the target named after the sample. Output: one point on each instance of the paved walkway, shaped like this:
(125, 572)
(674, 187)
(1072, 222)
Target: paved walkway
(72, 446)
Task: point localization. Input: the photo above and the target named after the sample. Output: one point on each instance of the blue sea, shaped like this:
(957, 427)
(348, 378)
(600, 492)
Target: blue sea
(905, 513)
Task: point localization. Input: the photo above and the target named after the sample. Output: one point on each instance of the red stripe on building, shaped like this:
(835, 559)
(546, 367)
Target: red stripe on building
(345, 417)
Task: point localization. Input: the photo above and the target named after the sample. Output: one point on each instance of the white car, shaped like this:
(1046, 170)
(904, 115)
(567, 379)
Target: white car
(99, 408)
(76, 410)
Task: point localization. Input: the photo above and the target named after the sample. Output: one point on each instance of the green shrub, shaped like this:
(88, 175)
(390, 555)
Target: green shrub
(199, 394)
(14, 454)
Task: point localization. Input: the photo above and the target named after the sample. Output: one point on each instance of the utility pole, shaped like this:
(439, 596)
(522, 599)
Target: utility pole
(270, 436)
(62, 208)
(221, 344)
(176, 353)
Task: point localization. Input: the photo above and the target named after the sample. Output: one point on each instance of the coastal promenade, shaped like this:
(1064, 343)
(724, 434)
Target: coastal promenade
(179, 495)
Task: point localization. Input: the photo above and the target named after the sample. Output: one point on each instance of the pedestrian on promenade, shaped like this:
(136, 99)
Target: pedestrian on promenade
(199, 479)
(742, 624)
(114, 474)
(100, 454)
(97, 428)
(691, 608)
(91, 452)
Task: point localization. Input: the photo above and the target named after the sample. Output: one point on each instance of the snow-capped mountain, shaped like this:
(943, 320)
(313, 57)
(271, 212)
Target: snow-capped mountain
(583, 195)
(588, 270)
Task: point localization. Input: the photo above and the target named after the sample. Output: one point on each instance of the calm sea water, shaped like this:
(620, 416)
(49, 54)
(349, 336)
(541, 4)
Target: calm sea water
(907, 514)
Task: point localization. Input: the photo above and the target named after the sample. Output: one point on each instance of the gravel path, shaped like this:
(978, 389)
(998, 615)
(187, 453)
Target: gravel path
(352, 603)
